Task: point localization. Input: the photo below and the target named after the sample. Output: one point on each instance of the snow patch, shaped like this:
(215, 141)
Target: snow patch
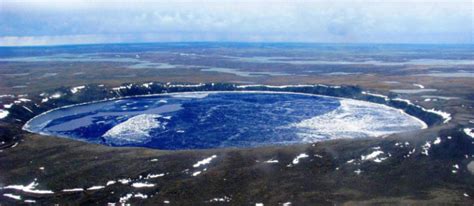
(271, 161)
(469, 131)
(220, 199)
(28, 109)
(446, 116)
(111, 182)
(30, 188)
(77, 89)
(425, 148)
(140, 195)
(374, 156)
(152, 176)
(16, 197)
(124, 181)
(376, 95)
(204, 161)
(358, 171)
(73, 190)
(142, 184)
(419, 86)
(299, 157)
(3, 113)
(98, 187)
(125, 198)
(55, 96)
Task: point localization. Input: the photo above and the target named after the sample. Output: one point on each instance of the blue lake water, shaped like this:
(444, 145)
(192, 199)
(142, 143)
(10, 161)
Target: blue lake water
(220, 119)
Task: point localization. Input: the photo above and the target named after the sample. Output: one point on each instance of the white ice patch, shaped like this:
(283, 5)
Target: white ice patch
(3, 113)
(276, 87)
(197, 95)
(24, 100)
(77, 89)
(425, 148)
(135, 130)
(55, 96)
(220, 199)
(376, 95)
(299, 157)
(357, 119)
(28, 109)
(185, 85)
(469, 132)
(142, 184)
(125, 198)
(204, 161)
(271, 161)
(98, 187)
(196, 173)
(140, 195)
(456, 168)
(73, 190)
(16, 197)
(152, 176)
(437, 140)
(419, 86)
(30, 188)
(374, 156)
(446, 116)
(410, 153)
(124, 181)
(147, 85)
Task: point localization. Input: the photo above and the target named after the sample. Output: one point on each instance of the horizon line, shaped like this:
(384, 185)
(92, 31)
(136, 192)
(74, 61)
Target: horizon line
(236, 42)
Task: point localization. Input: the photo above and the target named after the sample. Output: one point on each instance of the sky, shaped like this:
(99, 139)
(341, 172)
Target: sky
(61, 22)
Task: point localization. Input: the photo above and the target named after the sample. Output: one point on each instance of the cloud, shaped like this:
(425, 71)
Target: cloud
(390, 21)
(56, 40)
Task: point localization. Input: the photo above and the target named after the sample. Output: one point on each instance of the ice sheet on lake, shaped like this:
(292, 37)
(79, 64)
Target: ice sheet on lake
(198, 95)
(357, 119)
(135, 130)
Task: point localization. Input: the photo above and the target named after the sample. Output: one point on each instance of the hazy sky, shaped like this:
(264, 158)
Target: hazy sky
(53, 22)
